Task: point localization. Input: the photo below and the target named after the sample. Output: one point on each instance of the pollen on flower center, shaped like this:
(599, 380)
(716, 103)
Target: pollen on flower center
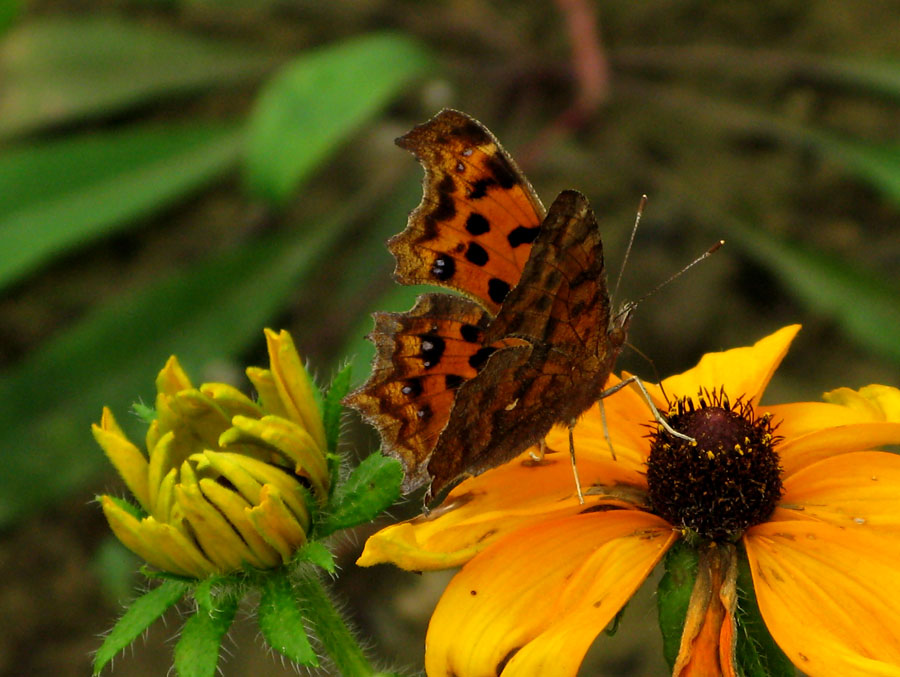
(725, 481)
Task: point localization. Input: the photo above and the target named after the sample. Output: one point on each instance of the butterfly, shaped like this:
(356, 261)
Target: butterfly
(462, 383)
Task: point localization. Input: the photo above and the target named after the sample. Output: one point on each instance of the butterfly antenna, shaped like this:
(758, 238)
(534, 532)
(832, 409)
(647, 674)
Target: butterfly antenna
(656, 378)
(709, 252)
(637, 221)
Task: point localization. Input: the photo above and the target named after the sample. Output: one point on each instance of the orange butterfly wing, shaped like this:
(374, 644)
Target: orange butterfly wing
(479, 215)
(458, 388)
(561, 306)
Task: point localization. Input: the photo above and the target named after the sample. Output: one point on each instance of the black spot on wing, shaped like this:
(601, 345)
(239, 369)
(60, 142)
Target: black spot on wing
(446, 208)
(476, 254)
(432, 349)
(470, 333)
(479, 358)
(443, 268)
(522, 235)
(447, 184)
(453, 381)
(501, 170)
(476, 224)
(472, 132)
(412, 388)
(479, 188)
(497, 289)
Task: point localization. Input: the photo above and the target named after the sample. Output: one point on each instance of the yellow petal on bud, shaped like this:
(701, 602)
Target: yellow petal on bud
(128, 460)
(291, 440)
(234, 507)
(289, 488)
(277, 524)
(231, 400)
(143, 538)
(165, 497)
(218, 540)
(294, 384)
(172, 379)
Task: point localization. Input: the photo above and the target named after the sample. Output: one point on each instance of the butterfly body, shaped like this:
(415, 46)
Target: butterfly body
(461, 385)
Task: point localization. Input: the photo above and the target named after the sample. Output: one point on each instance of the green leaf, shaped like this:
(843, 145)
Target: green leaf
(865, 306)
(372, 487)
(203, 315)
(139, 616)
(877, 164)
(9, 12)
(315, 102)
(757, 654)
(58, 70)
(281, 621)
(317, 554)
(65, 193)
(197, 651)
(333, 408)
(674, 594)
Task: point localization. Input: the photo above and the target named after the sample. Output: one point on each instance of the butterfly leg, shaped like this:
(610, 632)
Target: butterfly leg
(656, 415)
(542, 451)
(574, 465)
(609, 443)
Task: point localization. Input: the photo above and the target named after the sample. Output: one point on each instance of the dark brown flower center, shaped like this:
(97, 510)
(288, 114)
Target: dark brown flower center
(725, 481)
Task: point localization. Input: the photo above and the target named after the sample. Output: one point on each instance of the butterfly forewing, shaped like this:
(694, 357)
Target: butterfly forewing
(478, 217)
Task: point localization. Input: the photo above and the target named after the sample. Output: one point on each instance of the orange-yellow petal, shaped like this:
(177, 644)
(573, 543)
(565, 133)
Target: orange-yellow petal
(828, 597)
(877, 401)
(533, 602)
(742, 371)
(813, 431)
(856, 491)
(482, 509)
(627, 417)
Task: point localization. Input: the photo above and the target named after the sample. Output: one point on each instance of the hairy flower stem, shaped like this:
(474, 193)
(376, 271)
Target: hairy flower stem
(331, 629)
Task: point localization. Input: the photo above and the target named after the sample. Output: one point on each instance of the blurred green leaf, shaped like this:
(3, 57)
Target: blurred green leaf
(878, 164)
(59, 70)
(205, 314)
(866, 75)
(139, 616)
(314, 102)
(864, 305)
(68, 192)
(9, 11)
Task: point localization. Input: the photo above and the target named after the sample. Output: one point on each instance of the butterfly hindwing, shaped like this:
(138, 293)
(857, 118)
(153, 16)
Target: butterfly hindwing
(422, 357)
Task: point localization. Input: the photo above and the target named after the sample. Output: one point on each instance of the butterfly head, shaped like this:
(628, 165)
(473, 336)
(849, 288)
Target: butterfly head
(618, 324)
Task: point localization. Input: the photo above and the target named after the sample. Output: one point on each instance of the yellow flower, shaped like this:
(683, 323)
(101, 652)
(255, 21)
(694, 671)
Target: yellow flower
(796, 487)
(226, 482)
